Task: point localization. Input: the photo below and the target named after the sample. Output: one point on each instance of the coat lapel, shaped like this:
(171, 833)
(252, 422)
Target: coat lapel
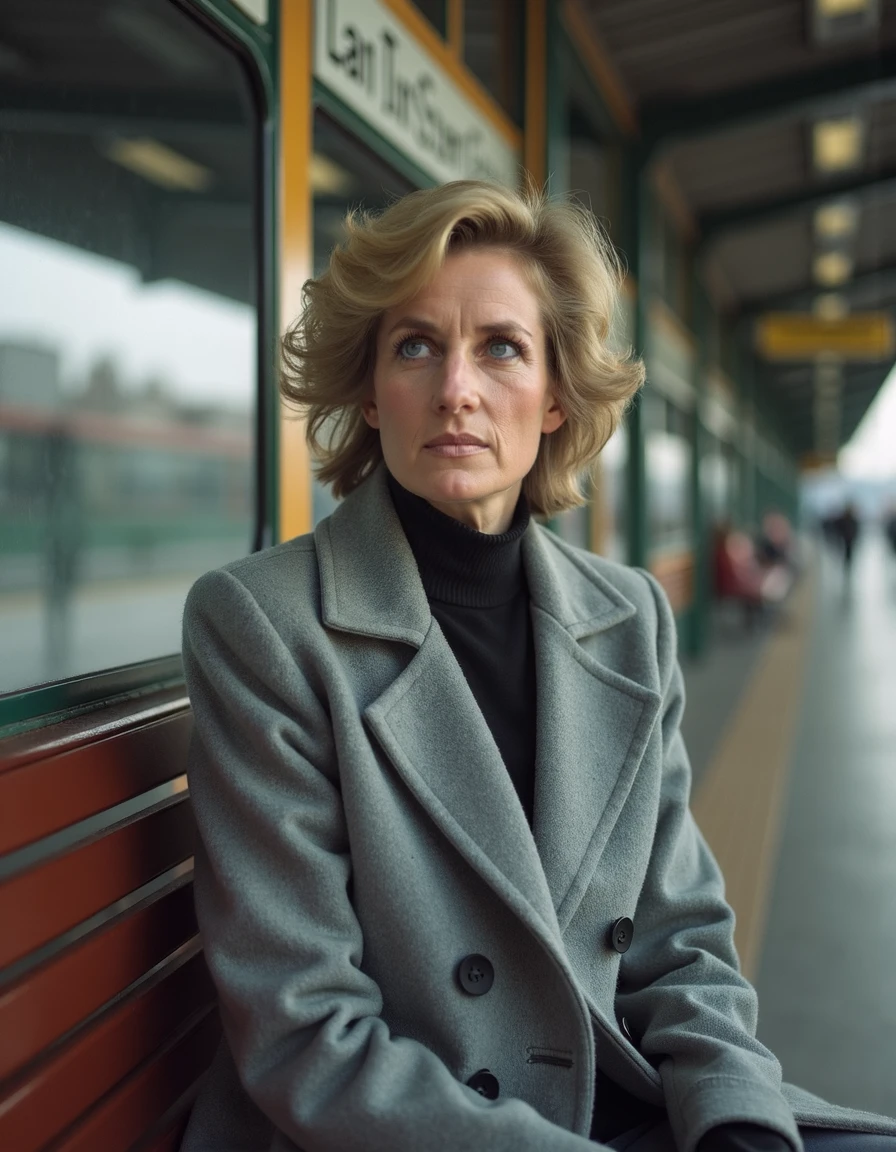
(427, 720)
(432, 730)
(593, 723)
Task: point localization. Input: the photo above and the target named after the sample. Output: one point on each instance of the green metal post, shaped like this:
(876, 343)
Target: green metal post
(640, 201)
(700, 608)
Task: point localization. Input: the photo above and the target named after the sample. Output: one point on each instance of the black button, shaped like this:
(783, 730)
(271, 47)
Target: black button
(625, 1030)
(621, 934)
(485, 1084)
(475, 974)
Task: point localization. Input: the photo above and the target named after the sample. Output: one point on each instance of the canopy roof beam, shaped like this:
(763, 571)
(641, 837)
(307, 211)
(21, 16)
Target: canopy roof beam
(885, 275)
(815, 92)
(866, 185)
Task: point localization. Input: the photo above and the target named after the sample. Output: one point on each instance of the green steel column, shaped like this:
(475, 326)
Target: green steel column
(557, 106)
(745, 379)
(700, 608)
(639, 260)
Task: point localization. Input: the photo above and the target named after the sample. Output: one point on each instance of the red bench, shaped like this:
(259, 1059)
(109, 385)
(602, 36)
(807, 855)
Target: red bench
(107, 1012)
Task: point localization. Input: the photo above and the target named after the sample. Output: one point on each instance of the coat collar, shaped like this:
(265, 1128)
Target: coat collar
(593, 723)
(370, 583)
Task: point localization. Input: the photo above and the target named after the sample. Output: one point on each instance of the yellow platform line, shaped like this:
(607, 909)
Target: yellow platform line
(740, 802)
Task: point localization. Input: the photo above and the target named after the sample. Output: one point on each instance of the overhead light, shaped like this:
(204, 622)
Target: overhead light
(831, 306)
(837, 144)
(834, 20)
(329, 178)
(831, 9)
(836, 221)
(159, 164)
(831, 269)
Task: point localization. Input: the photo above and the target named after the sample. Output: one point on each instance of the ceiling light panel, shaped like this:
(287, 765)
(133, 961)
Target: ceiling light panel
(836, 221)
(830, 306)
(159, 164)
(836, 20)
(830, 9)
(837, 144)
(831, 269)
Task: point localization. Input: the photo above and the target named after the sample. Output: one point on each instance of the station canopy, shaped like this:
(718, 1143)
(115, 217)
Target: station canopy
(774, 121)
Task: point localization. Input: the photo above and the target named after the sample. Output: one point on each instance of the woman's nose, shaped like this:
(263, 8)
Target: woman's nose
(456, 384)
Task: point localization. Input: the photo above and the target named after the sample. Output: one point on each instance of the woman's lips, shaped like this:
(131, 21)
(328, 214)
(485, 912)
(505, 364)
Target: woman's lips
(456, 444)
(455, 449)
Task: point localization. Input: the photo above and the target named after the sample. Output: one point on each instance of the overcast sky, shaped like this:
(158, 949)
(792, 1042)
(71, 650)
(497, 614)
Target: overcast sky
(87, 306)
(871, 454)
(202, 345)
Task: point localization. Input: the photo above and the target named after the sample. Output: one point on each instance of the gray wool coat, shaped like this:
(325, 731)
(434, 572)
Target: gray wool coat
(359, 836)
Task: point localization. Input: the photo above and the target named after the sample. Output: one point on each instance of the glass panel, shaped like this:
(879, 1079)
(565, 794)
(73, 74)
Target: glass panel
(128, 330)
(344, 174)
(614, 492)
(493, 50)
(434, 11)
(716, 484)
(668, 464)
(594, 174)
(573, 525)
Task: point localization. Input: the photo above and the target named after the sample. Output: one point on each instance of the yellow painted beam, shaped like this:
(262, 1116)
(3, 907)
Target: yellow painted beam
(295, 244)
(456, 28)
(599, 63)
(535, 113)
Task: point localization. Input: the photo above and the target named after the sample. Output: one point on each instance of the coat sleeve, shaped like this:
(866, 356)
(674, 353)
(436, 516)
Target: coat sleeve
(273, 874)
(680, 987)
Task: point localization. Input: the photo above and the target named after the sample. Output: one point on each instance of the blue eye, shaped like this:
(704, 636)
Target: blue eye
(503, 350)
(411, 349)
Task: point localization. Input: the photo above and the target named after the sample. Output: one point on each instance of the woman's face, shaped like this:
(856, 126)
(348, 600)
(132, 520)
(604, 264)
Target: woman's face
(461, 389)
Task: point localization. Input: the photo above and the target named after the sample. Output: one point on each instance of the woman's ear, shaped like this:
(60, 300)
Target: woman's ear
(370, 412)
(554, 415)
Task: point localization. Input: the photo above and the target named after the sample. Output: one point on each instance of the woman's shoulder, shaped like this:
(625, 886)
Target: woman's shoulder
(277, 580)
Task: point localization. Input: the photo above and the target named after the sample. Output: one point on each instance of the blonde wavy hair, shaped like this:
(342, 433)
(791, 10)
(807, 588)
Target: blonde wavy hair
(386, 258)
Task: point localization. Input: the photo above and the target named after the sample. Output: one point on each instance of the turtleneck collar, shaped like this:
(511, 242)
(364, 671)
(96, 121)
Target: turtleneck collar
(459, 565)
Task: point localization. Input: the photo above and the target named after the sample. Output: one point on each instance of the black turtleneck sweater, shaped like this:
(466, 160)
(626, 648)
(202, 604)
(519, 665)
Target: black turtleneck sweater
(477, 591)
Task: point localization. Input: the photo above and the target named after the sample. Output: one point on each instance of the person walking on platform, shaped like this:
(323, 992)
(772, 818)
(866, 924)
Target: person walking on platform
(448, 883)
(889, 524)
(846, 528)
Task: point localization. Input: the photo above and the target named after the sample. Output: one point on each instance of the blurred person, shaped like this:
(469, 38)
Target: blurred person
(889, 526)
(448, 883)
(845, 529)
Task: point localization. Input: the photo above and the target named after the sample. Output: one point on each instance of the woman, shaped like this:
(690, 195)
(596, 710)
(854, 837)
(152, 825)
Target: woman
(449, 887)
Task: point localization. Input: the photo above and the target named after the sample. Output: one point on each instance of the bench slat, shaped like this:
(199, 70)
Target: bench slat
(120, 1119)
(42, 903)
(53, 999)
(37, 799)
(85, 1069)
(88, 727)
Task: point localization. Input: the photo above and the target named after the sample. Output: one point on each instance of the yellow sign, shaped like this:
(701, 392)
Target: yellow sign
(803, 336)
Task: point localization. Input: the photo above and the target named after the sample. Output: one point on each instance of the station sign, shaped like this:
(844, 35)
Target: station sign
(367, 58)
(803, 336)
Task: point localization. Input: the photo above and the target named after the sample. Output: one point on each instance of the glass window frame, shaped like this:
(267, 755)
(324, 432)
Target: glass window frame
(255, 51)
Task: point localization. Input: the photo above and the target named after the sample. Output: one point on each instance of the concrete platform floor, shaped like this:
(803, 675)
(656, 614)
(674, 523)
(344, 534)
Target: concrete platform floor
(796, 790)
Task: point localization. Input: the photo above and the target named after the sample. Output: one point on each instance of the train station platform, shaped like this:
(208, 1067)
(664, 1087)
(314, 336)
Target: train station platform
(792, 731)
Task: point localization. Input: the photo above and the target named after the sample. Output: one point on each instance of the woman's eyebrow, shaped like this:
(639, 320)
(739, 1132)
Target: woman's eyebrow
(413, 322)
(505, 326)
